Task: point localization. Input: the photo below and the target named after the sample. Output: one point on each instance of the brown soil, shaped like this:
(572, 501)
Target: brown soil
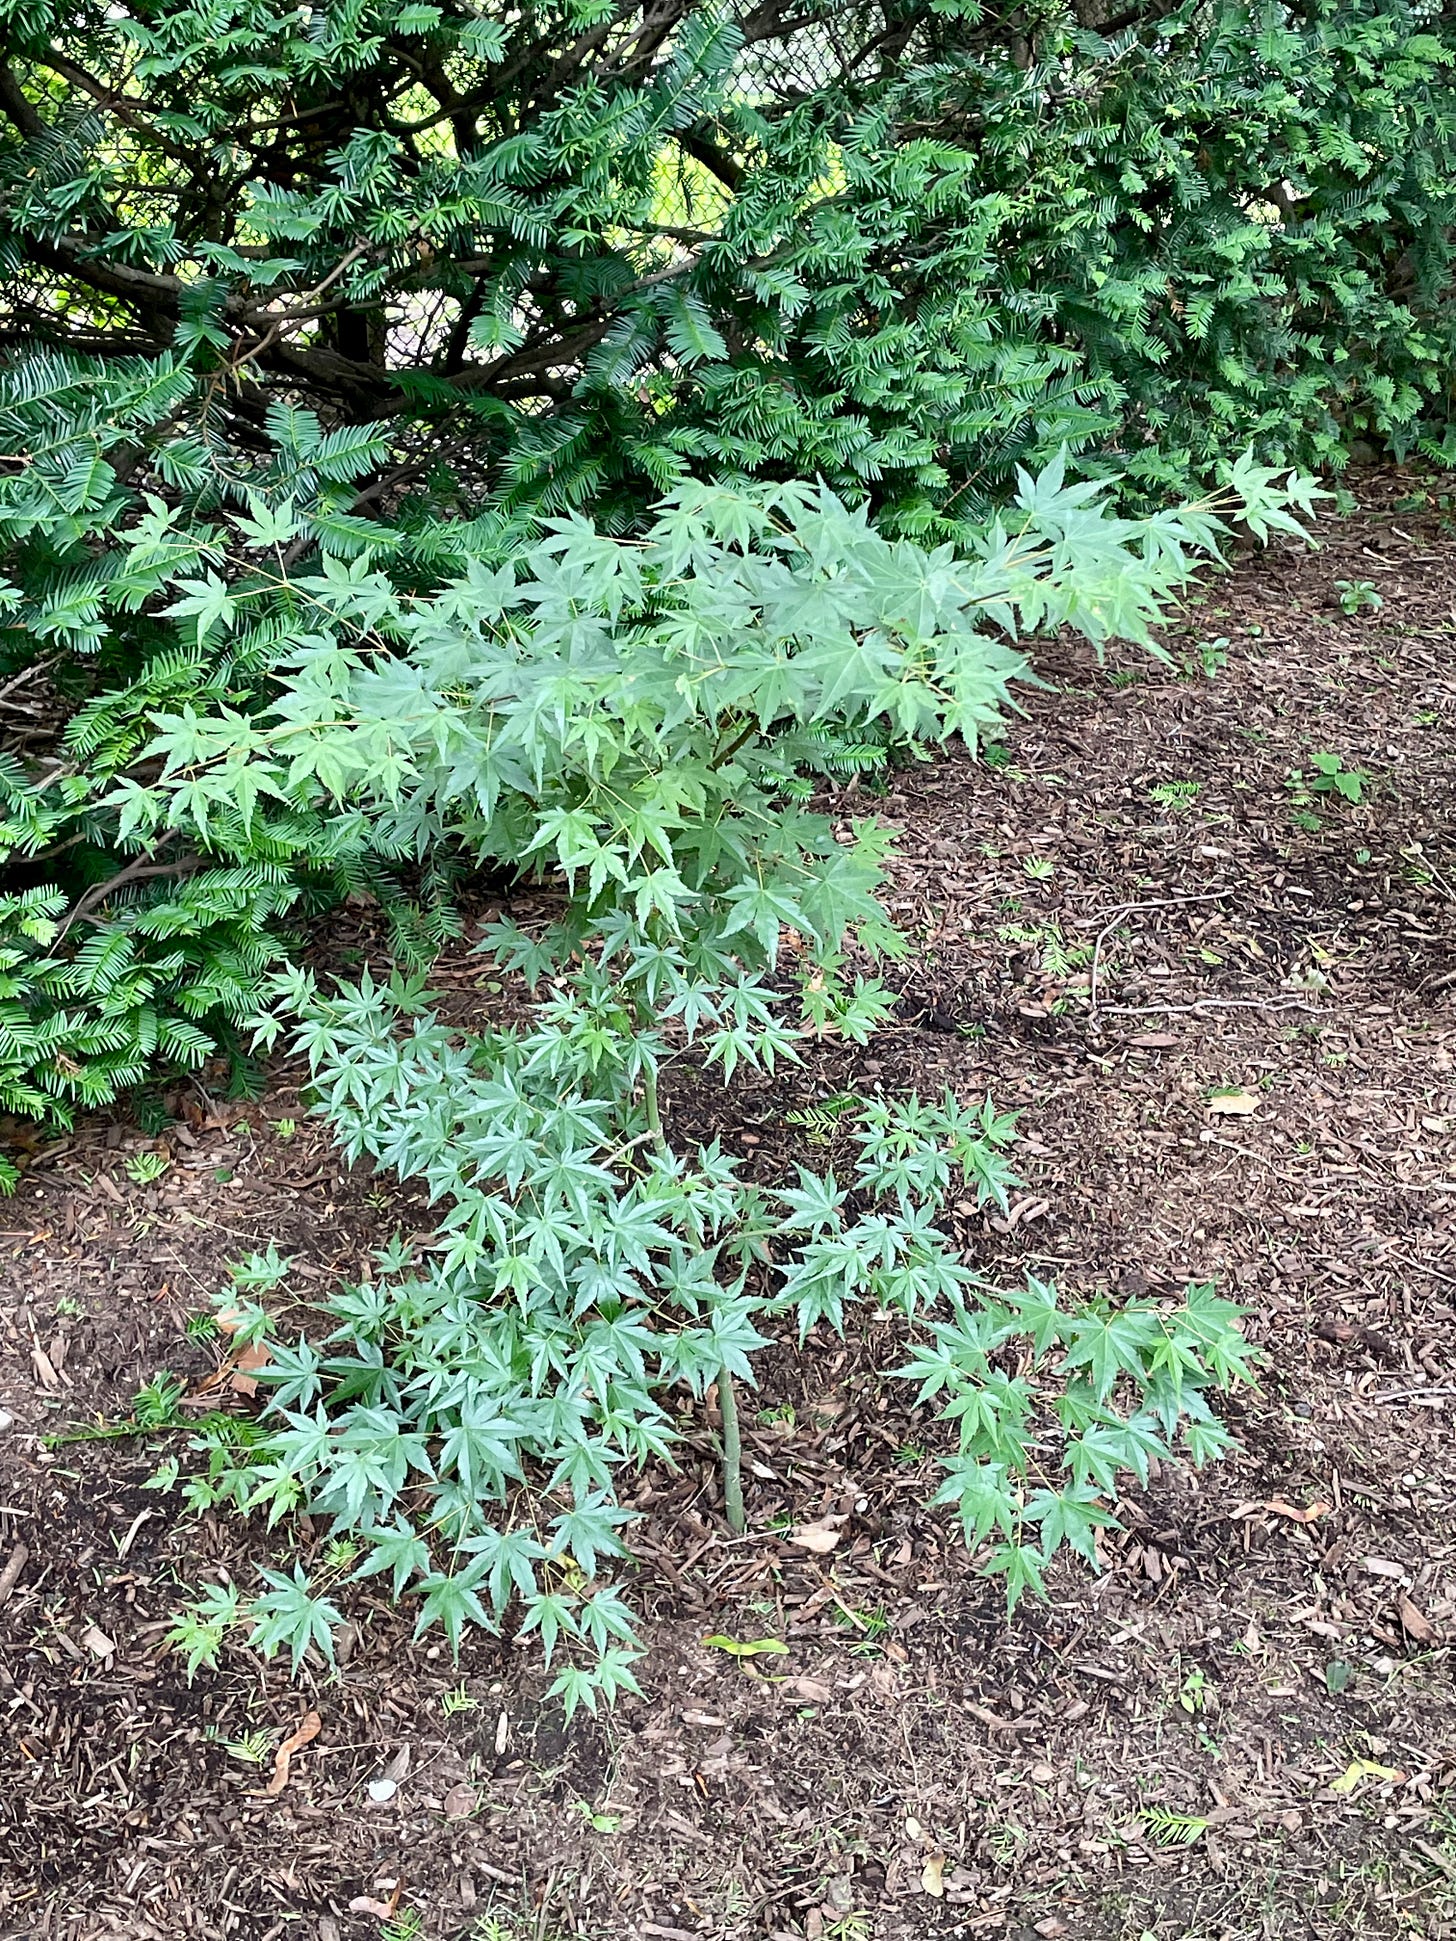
(1260, 1628)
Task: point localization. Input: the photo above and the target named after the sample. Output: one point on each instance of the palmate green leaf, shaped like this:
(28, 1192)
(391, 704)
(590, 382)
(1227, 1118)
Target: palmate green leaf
(1021, 1565)
(481, 1448)
(553, 1616)
(1035, 1306)
(577, 1685)
(451, 1599)
(983, 1496)
(202, 1627)
(1070, 1516)
(397, 1548)
(734, 1337)
(603, 1617)
(289, 1613)
(1112, 1345)
(510, 1558)
(1214, 1329)
(1206, 1440)
(763, 911)
(588, 1531)
(1097, 1455)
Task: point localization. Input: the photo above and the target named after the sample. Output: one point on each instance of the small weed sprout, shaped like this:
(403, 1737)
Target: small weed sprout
(1325, 777)
(1175, 798)
(146, 1168)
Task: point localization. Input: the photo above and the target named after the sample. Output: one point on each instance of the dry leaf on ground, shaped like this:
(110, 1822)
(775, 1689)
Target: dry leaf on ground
(1278, 1507)
(309, 1728)
(820, 1537)
(1236, 1105)
(248, 1359)
(1414, 1621)
(1359, 1769)
(747, 1647)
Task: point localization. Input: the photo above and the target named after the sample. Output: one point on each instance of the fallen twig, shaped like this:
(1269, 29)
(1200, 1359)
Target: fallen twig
(1127, 910)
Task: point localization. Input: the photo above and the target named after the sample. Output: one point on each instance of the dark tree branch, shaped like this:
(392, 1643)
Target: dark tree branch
(17, 105)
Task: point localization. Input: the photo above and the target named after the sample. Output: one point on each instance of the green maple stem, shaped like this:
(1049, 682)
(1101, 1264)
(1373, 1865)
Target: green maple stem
(654, 1110)
(727, 1397)
(732, 1455)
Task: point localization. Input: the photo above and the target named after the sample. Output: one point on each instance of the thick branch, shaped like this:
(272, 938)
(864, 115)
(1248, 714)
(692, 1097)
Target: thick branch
(17, 107)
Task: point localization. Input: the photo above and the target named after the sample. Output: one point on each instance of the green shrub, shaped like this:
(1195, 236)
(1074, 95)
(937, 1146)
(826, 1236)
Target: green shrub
(635, 716)
(371, 290)
(324, 328)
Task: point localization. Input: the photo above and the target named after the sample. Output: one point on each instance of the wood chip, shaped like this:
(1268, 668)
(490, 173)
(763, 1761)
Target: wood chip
(998, 1724)
(1414, 1621)
(14, 1567)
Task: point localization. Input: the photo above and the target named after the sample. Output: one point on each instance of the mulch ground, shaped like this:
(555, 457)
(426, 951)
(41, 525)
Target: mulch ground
(1244, 1727)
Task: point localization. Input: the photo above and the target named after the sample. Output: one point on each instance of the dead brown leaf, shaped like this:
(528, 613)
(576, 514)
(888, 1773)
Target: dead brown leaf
(813, 1689)
(254, 1356)
(460, 1802)
(1278, 1507)
(820, 1537)
(1236, 1105)
(1414, 1621)
(381, 1910)
(309, 1728)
